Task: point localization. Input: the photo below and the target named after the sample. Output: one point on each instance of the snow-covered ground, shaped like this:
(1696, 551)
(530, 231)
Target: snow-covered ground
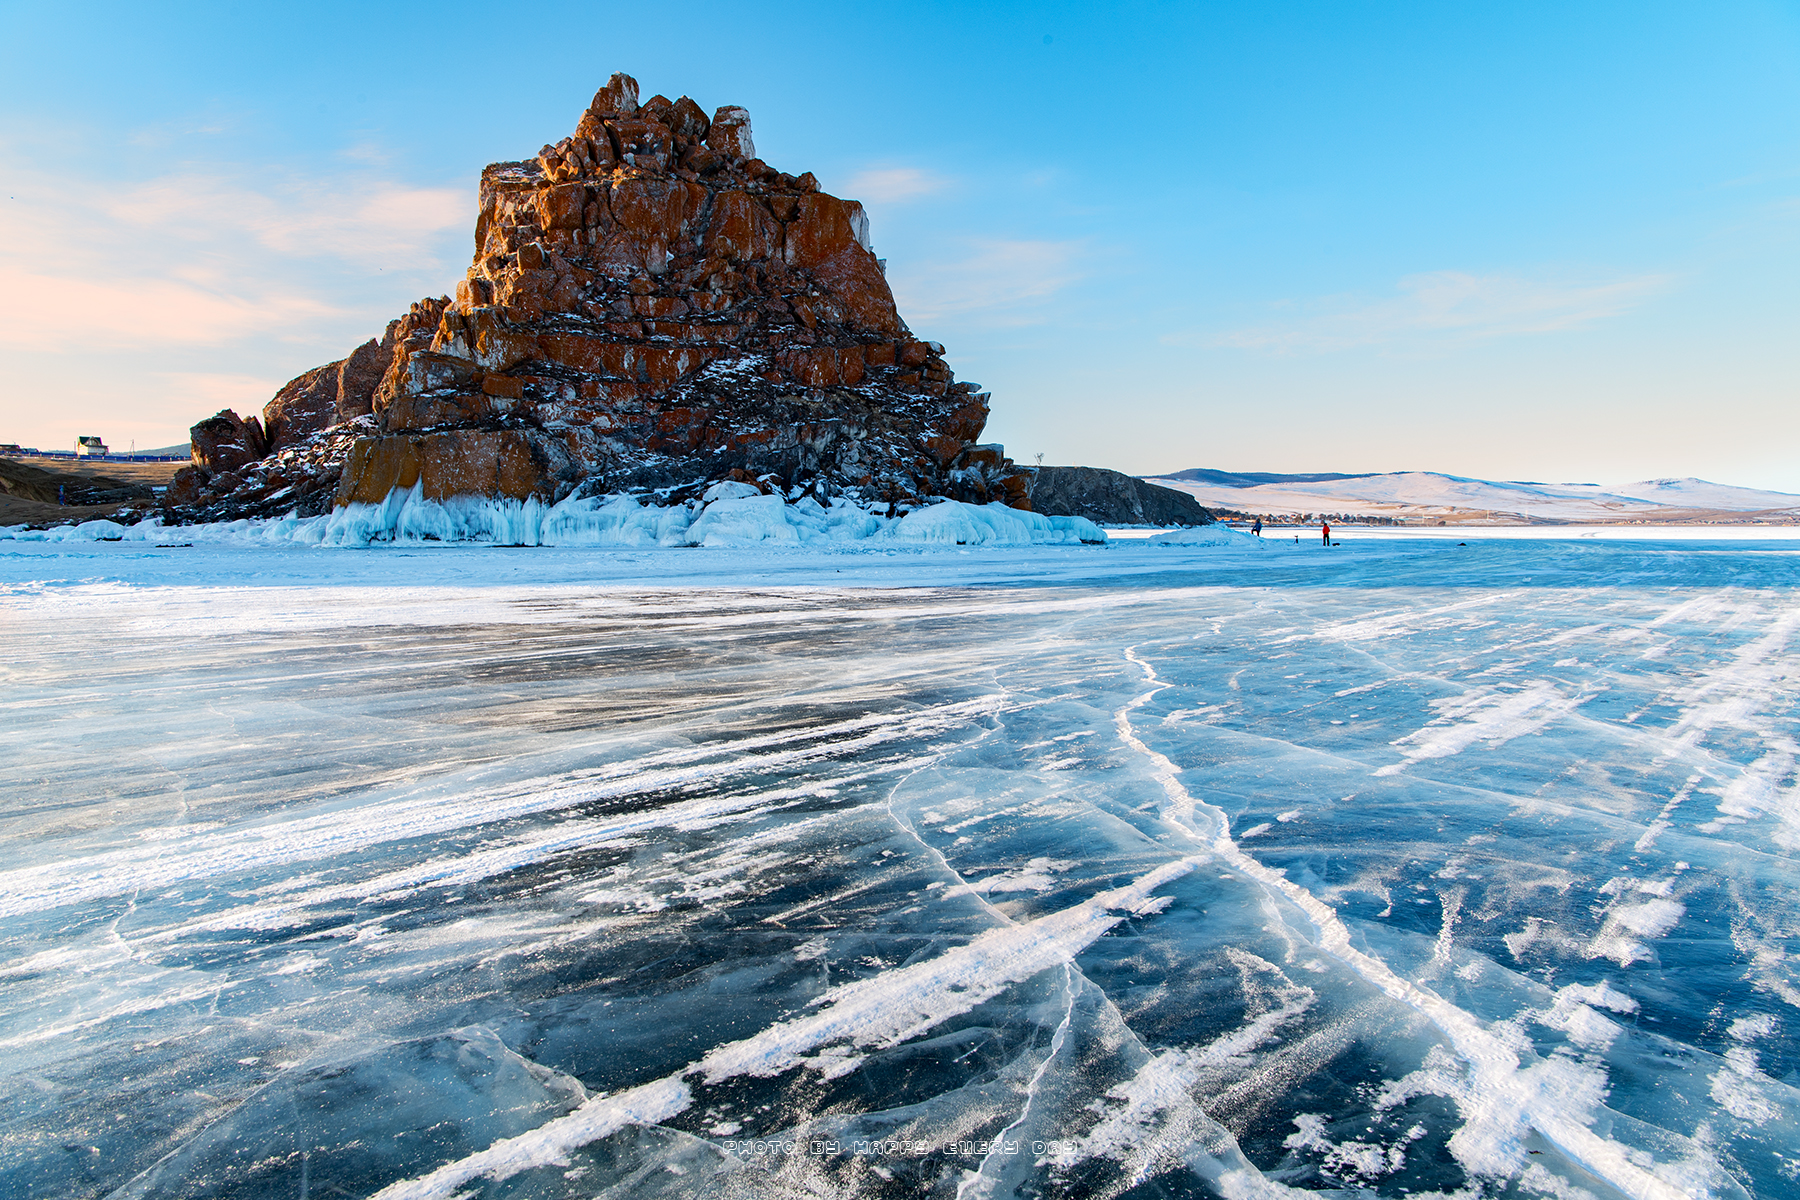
(1424, 495)
(873, 868)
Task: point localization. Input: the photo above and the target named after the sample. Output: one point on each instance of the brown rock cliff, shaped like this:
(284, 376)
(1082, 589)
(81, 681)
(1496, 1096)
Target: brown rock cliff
(650, 306)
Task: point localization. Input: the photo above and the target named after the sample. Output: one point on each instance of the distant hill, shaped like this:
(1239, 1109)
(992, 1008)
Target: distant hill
(1430, 495)
(1239, 479)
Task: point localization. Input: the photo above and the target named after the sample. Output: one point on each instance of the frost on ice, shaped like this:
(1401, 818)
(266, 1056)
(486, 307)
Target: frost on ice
(809, 867)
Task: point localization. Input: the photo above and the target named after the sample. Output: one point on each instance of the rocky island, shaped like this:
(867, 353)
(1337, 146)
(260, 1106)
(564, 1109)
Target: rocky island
(651, 307)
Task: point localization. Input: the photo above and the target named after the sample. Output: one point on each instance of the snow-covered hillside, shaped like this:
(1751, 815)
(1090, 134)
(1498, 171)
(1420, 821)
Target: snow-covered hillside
(1428, 494)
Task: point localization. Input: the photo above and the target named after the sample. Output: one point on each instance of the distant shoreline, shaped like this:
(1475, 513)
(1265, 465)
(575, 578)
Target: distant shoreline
(1404, 524)
(1429, 499)
(1558, 531)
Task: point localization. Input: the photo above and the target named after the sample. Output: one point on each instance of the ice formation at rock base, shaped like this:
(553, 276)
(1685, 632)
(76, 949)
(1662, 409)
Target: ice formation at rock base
(726, 514)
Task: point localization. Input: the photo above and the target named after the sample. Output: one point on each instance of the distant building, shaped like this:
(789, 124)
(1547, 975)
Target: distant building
(86, 446)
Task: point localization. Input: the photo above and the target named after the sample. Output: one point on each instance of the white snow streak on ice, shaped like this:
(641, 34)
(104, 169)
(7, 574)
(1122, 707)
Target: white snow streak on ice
(1162, 1092)
(118, 872)
(1630, 917)
(1731, 695)
(1665, 818)
(1407, 620)
(489, 861)
(1735, 696)
(1760, 790)
(1739, 1087)
(880, 1011)
(888, 1009)
(1492, 717)
(1507, 1099)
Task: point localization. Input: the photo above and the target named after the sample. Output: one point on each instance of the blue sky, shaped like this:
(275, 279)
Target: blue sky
(1513, 240)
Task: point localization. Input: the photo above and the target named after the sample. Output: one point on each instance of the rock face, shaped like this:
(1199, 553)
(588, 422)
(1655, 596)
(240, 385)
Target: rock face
(650, 306)
(303, 407)
(1111, 498)
(224, 442)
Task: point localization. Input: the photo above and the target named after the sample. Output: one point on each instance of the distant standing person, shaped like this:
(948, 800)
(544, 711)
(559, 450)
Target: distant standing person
(60, 497)
(1327, 531)
(1256, 527)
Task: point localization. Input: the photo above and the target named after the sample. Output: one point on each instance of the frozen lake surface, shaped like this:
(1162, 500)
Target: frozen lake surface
(1402, 868)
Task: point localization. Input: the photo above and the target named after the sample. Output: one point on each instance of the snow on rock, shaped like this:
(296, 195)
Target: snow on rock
(731, 489)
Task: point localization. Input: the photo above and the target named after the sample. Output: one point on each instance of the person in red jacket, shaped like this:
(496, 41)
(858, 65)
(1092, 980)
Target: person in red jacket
(1327, 531)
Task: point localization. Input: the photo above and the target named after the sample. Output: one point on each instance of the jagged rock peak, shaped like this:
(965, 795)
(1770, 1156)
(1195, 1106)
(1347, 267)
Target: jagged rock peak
(649, 305)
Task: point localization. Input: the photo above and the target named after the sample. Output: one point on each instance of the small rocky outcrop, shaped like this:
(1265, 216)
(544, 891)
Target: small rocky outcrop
(230, 478)
(226, 442)
(1111, 498)
(650, 307)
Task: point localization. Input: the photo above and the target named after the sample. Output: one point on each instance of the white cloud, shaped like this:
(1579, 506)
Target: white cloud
(1446, 304)
(101, 265)
(41, 312)
(361, 220)
(133, 307)
(1000, 280)
(893, 185)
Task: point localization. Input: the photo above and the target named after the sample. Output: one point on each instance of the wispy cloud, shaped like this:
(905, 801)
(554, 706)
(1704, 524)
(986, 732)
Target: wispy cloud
(46, 311)
(893, 185)
(1442, 305)
(1002, 281)
(209, 391)
(373, 153)
(362, 220)
(199, 259)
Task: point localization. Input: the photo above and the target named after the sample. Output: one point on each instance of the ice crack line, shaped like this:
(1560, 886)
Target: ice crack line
(1512, 1098)
(978, 1184)
(880, 1011)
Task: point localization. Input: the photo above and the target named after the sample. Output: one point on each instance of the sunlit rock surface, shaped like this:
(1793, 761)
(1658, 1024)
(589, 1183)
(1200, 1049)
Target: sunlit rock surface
(651, 308)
